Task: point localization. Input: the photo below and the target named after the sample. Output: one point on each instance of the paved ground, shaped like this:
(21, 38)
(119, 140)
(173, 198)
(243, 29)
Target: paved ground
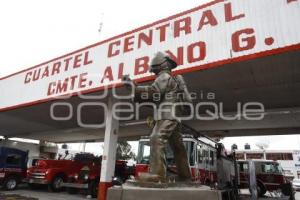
(268, 196)
(43, 194)
(297, 197)
(15, 197)
(40, 194)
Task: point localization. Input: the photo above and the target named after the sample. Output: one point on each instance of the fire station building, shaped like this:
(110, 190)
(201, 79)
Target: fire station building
(234, 55)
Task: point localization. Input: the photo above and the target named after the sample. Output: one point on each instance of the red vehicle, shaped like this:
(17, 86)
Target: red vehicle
(54, 172)
(269, 176)
(87, 179)
(13, 165)
(201, 156)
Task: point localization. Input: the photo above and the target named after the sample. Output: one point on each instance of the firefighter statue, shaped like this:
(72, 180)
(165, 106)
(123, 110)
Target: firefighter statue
(166, 127)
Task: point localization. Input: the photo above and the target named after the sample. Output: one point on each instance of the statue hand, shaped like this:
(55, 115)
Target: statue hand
(126, 78)
(127, 81)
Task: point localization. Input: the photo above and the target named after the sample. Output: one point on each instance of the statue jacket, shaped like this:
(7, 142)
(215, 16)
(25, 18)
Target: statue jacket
(169, 94)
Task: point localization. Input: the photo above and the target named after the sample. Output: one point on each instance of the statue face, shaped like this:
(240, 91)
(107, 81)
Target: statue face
(156, 69)
(160, 62)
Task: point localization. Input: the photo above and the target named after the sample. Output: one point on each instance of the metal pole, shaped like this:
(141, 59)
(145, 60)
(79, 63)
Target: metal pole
(252, 180)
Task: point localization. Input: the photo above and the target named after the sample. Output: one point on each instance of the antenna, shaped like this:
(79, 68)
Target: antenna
(100, 27)
(262, 145)
(101, 23)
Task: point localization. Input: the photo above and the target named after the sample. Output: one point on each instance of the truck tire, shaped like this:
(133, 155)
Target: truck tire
(11, 183)
(287, 190)
(55, 185)
(261, 190)
(72, 190)
(93, 189)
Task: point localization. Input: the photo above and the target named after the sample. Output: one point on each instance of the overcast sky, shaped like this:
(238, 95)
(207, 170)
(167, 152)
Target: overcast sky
(35, 31)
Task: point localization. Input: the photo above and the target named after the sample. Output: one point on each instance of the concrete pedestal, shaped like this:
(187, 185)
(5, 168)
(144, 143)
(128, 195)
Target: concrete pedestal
(185, 193)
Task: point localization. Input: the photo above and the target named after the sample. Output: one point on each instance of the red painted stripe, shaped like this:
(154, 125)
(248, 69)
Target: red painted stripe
(192, 69)
(119, 36)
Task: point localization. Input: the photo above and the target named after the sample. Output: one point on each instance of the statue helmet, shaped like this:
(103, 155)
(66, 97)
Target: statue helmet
(162, 61)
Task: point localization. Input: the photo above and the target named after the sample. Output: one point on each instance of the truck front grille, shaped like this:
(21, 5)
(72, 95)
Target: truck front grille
(38, 175)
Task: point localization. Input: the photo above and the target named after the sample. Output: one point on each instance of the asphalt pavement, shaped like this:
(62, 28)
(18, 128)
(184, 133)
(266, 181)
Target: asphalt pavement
(38, 195)
(42, 194)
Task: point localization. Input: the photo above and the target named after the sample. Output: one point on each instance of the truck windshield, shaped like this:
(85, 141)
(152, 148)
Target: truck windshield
(272, 168)
(278, 168)
(144, 153)
(14, 159)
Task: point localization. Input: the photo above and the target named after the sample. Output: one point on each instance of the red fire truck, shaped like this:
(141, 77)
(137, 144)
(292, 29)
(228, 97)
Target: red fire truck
(201, 156)
(269, 176)
(206, 165)
(86, 180)
(54, 172)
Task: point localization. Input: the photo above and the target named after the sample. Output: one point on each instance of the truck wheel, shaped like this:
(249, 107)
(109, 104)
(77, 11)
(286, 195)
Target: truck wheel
(287, 190)
(261, 190)
(72, 190)
(11, 183)
(55, 185)
(93, 189)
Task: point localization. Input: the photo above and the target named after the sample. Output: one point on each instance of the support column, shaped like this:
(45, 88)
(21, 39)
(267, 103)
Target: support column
(109, 153)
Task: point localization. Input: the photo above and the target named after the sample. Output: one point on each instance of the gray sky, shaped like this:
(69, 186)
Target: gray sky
(35, 31)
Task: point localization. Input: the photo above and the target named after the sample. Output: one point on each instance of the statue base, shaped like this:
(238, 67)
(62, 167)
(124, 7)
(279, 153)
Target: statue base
(170, 184)
(173, 191)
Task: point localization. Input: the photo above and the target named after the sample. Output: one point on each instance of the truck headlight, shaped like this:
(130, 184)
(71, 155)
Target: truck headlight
(76, 176)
